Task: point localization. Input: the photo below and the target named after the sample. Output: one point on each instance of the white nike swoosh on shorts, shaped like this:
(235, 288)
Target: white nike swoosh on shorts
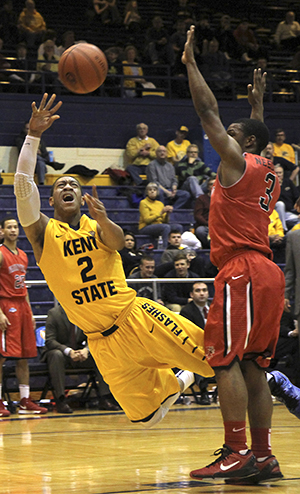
(236, 277)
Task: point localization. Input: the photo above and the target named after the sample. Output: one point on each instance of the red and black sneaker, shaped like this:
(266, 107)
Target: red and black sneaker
(27, 406)
(268, 470)
(229, 464)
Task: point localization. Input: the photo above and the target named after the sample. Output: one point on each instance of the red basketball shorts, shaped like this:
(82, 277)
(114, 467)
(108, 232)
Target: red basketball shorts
(19, 338)
(244, 318)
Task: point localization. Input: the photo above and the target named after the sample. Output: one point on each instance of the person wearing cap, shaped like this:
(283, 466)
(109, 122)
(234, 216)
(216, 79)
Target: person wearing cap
(177, 148)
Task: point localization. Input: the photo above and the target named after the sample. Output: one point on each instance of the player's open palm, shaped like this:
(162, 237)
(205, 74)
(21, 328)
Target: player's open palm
(43, 116)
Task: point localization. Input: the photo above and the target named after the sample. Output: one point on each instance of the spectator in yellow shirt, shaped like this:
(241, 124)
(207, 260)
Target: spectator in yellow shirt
(277, 238)
(281, 148)
(31, 25)
(177, 148)
(155, 216)
(140, 150)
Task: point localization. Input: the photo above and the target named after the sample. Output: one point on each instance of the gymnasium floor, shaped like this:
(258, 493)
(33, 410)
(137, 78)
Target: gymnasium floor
(92, 452)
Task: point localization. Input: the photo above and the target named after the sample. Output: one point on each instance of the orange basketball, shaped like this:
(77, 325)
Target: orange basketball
(82, 68)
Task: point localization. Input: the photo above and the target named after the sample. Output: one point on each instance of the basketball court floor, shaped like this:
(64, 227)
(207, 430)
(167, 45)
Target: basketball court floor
(93, 452)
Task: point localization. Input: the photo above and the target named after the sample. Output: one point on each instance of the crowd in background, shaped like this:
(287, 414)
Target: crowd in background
(226, 47)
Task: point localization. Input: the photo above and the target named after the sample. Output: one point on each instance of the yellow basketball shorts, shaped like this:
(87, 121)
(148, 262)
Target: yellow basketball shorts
(136, 360)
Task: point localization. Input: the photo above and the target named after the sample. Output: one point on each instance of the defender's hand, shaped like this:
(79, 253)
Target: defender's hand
(188, 54)
(257, 89)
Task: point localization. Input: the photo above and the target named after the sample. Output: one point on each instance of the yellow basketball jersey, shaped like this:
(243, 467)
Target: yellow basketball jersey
(85, 276)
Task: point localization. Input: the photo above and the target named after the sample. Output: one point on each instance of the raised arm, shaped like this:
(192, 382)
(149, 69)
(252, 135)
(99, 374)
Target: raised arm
(26, 191)
(206, 106)
(256, 93)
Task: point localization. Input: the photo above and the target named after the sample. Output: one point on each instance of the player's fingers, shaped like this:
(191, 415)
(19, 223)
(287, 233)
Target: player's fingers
(192, 30)
(50, 101)
(43, 101)
(56, 107)
(33, 107)
(94, 191)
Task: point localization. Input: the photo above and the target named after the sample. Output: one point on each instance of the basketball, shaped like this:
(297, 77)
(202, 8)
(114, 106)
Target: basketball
(82, 68)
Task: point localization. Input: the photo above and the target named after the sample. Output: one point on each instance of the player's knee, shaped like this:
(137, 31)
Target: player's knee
(55, 356)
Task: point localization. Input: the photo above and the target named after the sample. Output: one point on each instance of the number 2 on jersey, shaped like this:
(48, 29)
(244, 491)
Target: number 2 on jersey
(89, 266)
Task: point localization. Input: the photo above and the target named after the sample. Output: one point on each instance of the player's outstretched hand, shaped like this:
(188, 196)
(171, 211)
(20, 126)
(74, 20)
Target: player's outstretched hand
(257, 89)
(43, 116)
(188, 54)
(96, 207)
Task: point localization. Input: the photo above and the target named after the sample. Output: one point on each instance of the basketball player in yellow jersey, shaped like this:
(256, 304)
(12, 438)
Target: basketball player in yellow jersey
(135, 342)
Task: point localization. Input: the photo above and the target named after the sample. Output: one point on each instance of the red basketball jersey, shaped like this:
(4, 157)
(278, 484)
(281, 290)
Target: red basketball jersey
(239, 214)
(12, 273)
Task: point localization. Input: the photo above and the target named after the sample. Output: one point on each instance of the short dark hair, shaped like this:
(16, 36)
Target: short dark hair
(251, 126)
(180, 256)
(7, 218)
(54, 183)
(174, 230)
(146, 257)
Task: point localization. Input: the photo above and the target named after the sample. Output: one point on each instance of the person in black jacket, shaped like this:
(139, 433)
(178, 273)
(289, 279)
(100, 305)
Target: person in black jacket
(66, 347)
(287, 348)
(176, 295)
(197, 311)
(285, 206)
(130, 255)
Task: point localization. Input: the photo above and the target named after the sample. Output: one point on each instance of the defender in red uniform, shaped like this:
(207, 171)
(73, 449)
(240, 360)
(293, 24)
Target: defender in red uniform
(17, 338)
(243, 322)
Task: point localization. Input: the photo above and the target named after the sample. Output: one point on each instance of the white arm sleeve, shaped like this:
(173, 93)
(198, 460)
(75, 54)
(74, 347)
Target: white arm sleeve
(26, 191)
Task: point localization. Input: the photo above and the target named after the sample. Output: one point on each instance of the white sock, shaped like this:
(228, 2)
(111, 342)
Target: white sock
(24, 391)
(0, 391)
(186, 377)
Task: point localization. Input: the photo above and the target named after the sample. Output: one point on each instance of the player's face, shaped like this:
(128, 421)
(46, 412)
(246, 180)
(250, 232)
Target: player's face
(147, 269)
(235, 130)
(10, 230)
(200, 293)
(175, 239)
(129, 242)
(67, 195)
(181, 267)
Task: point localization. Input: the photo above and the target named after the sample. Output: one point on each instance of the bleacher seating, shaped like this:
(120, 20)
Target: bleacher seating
(263, 17)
